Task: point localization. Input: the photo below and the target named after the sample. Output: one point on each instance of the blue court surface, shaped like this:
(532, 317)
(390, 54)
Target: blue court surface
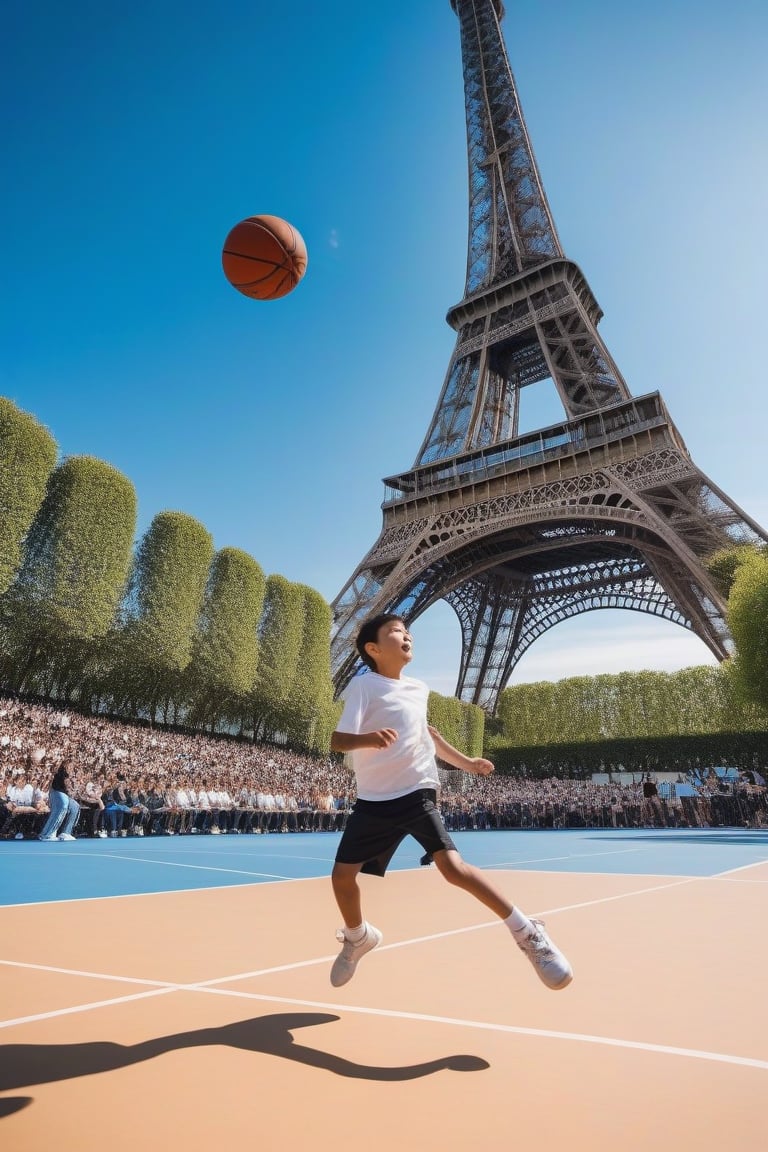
(32, 872)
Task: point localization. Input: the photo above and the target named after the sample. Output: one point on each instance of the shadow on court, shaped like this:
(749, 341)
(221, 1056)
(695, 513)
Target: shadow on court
(24, 1065)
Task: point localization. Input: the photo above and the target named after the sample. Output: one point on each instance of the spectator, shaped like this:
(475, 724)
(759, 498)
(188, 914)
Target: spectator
(64, 808)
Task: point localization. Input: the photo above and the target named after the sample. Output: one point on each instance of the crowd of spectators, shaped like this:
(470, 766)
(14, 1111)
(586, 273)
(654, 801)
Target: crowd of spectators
(64, 775)
(135, 780)
(506, 802)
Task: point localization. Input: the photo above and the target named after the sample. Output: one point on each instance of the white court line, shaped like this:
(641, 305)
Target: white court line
(173, 864)
(743, 868)
(170, 984)
(442, 935)
(87, 1007)
(161, 989)
(327, 959)
(737, 880)
(542, 1033)
(571, 856)
(180, 891)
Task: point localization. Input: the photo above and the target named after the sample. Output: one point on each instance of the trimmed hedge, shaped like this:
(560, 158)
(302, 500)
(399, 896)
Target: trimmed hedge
(650, 754)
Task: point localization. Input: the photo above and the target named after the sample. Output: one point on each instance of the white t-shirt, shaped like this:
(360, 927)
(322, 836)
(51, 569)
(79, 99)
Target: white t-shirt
(373, 702)
(22, 797)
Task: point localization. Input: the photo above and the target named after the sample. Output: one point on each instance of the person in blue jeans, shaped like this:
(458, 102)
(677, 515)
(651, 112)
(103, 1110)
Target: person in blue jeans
(64, 808)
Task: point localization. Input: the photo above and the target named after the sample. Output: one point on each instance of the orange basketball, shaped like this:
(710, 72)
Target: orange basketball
(264, 257)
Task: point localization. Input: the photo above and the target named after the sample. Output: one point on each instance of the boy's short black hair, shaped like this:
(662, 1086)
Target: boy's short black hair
(369, 633)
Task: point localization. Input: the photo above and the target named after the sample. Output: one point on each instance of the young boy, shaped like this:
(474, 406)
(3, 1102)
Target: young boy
(384, 727)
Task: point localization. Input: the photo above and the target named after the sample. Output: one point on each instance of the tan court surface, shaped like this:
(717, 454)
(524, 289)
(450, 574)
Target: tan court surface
(204, 1020)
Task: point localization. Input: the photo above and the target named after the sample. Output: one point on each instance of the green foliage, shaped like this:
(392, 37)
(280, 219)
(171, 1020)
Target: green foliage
(281, 633)
(630, 704)
(748, 622)
(681, 754)
(185, 639)
(225, 646)
(327, 721)
(474, 729)
(460, 724)
(723, 565)
(78, 550)
(27, 456)
(76, 561)
(154, 645)
(310, 694)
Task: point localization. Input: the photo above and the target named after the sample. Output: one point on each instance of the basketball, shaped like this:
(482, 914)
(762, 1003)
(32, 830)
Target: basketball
(264, 257)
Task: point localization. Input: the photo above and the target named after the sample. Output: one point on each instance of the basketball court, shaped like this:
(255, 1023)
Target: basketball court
(176, 991)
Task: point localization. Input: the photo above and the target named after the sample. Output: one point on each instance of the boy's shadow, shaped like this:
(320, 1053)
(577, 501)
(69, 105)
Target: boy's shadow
(23, 1065)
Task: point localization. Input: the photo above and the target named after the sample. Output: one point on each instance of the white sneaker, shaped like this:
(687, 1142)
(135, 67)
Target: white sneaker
(19, 836)
(66, 836)
(47, 837)
(102, 835)
(551, 966)
(347, 960)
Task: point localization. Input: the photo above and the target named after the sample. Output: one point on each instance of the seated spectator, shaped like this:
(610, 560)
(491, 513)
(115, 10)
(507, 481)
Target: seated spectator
(117, 810)
(155, 807)
(182, 803)
(20, 803)
(90, 801)
(136, 799)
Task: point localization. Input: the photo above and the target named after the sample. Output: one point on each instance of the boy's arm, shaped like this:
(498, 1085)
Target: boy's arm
(349, 741)
(452, 756)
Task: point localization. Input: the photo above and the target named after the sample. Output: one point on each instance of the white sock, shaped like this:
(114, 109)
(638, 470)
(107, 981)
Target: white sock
(517, 922)
(355, 935)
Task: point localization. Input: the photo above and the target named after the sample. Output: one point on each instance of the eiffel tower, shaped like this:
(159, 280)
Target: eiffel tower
(519, 532)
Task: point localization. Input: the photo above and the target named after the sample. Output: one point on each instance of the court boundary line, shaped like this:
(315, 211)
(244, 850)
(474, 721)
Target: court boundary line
(87, 1007)
(549, 859)
(170, 986)
(176, 864)
(420, 1017)
(173, 892)
(160, 988)
(326, 877)
(741, 868)
(271, 878)
(515, 1029)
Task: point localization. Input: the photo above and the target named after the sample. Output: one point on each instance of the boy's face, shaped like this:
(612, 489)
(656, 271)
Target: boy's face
(393, 647)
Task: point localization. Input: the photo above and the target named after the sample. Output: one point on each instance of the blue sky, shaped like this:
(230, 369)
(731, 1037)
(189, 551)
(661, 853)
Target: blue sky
(140, 132)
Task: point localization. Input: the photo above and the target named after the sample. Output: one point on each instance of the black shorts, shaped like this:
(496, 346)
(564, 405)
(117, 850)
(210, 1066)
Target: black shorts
(376, 828)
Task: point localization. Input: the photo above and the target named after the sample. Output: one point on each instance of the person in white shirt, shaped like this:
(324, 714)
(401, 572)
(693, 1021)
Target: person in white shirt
(384, 727)
(203, 818)
(226, 810)
(183, 804)
(20, 803)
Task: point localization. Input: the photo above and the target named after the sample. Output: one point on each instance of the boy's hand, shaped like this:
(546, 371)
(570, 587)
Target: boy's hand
(381, 739)
(482, 767)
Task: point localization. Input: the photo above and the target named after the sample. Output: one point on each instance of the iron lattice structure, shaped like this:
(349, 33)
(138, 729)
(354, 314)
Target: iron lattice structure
(519, 532)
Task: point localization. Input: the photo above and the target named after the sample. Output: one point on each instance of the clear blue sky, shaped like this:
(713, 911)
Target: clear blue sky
(139, 133)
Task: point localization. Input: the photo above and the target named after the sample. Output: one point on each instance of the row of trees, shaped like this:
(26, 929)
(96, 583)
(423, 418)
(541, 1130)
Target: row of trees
(630, 704)
(681, 754)
(172, 630)
(462, 725)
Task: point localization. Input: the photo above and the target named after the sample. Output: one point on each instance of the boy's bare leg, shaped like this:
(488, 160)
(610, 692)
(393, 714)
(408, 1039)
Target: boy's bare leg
(358, 937)
(347, 893)
(457, 871)
(550, 964)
